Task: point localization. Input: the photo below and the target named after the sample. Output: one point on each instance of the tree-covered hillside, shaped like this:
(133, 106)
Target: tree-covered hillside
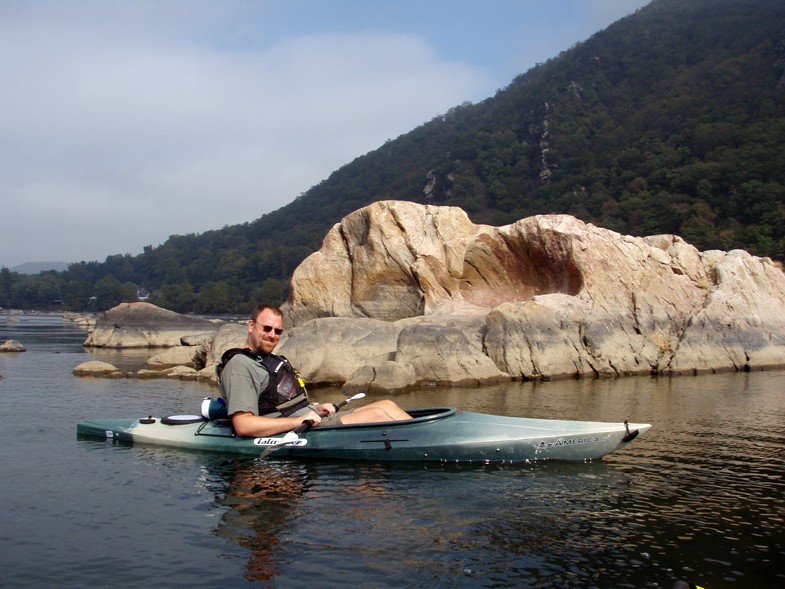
(671, 120)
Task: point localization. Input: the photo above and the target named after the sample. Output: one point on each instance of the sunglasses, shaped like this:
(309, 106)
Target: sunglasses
(269, 328)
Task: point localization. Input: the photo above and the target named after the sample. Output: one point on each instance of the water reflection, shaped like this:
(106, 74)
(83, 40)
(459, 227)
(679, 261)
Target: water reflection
(260, 498)
(455, 524)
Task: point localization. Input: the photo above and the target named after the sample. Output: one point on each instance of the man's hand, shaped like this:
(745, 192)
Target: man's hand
(313, 416)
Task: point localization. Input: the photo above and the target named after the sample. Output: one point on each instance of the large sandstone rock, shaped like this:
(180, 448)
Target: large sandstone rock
(546, 297)
(143, 325)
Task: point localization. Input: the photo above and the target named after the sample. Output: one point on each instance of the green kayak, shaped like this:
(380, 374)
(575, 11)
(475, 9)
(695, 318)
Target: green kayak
(439, 434)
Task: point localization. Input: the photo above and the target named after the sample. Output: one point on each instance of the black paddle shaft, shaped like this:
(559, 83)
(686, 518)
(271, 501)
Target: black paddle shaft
(305, 425)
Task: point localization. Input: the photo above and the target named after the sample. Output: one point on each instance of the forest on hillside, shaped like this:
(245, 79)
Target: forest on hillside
(671, 120)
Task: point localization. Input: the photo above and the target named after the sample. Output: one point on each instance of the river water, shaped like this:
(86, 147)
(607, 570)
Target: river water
(699, 497)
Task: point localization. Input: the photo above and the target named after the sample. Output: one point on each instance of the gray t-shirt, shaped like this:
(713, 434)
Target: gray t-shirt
(242, 381)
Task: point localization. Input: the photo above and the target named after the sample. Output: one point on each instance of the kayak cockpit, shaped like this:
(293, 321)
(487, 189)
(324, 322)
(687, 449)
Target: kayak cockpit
(223, 427)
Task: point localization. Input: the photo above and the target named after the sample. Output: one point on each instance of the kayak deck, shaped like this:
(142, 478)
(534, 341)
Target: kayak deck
(440, 434)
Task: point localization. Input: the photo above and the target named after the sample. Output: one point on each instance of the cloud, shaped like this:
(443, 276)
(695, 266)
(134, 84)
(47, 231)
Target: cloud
(125, 122)
(125, 127)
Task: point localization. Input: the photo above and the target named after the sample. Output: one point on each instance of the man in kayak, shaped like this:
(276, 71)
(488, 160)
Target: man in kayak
(265, 395)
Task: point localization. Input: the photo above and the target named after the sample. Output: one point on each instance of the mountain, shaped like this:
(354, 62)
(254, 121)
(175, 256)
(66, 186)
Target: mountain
(36, 267)
(671, 120)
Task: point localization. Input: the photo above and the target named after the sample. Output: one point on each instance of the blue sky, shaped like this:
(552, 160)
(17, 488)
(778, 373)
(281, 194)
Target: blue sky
(125, 122)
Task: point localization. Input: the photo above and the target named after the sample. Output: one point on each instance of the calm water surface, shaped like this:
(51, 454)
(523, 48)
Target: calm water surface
(698, 497)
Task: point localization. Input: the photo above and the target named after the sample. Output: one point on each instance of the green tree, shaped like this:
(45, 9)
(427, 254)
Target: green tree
(213, 298)
(76, 294)
(108, 292)
(177, 297)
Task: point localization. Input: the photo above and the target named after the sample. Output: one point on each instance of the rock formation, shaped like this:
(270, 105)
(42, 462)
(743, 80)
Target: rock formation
(98, 369)
(546, 297)
(12, 345)
(192, 357)
(143, 325)
(402, 295)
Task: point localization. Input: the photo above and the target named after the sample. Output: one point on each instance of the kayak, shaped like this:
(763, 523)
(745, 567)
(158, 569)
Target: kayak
(438, 434)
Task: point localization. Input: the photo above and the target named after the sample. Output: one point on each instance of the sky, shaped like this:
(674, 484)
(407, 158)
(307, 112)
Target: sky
(125, 122)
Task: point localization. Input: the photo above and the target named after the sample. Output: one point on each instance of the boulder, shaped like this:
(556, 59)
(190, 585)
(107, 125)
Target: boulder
(229, 335)
(182, 373)
(646, 306)
(146, 373)
(385, 377)
(82, 320)
(329, 351)
(369, 354)
(443, 355)
(98, 369)
(12, 346)
(203, 340)
(741, 325)
(190, 356)
(143, 325)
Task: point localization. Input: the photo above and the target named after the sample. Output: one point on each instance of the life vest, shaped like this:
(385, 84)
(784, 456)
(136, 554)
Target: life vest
(285, 392)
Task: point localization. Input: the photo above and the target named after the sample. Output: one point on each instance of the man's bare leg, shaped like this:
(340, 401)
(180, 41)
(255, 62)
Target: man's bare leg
(378, 411)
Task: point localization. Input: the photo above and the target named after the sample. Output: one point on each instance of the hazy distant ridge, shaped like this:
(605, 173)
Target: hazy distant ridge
(36, 267)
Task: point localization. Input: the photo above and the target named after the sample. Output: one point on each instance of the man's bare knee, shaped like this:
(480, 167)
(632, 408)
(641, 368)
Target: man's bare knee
(369, 414)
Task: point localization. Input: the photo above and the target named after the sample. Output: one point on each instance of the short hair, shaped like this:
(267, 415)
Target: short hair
(261, 308)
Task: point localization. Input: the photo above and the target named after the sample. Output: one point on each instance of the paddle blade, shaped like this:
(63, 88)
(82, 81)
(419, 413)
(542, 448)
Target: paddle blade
(289, 438)
(349, 400)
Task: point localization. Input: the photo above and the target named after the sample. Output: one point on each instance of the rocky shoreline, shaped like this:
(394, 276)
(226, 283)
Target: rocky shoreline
(403, 295)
